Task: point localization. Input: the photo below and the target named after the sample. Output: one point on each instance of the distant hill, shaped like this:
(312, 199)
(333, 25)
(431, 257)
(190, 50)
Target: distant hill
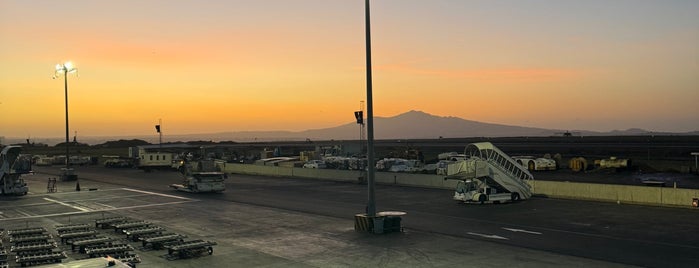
(420, 125)
(414, 125)
(409, 125)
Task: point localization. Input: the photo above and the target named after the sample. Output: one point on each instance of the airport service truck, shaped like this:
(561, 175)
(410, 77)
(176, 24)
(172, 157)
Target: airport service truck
(202, 178)
(488, 175)
(13, 166)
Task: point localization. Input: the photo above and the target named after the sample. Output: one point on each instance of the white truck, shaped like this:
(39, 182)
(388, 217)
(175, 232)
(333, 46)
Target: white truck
(488, 176)
(13, 166)
(476, 190)
(201, 180)
(535, 163)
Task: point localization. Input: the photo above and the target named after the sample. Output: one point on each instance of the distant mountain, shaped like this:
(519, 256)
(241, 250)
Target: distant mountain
(421, 125)
(417, 125)
(409, 125)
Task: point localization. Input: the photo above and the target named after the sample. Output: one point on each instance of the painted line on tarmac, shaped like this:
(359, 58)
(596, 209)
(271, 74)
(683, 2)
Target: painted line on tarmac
(23, 213)
(489, 236)
(521, 231)
(68, 205)
(29, 216)
(154, 193)
(553, 230)
(104, 205)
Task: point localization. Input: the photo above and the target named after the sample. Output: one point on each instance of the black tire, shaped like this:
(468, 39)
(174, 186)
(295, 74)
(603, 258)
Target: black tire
(210, 250)
(482, 198)
(515, 197)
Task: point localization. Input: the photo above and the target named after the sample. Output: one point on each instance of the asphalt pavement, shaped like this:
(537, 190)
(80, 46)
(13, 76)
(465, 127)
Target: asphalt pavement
(274, 222)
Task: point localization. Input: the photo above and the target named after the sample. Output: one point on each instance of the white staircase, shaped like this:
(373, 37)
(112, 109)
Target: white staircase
(486, 160)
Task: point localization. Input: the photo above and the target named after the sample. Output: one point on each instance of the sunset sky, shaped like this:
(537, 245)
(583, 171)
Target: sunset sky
(214, 66)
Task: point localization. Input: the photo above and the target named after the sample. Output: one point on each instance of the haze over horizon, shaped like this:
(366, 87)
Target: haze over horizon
(221, 66)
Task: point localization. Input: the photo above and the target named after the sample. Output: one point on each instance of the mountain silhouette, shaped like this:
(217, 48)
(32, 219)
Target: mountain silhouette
(409, 125)
(421, 125)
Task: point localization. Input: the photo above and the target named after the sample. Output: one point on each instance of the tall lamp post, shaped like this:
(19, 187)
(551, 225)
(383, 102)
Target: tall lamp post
(63, 70)
(371, 203)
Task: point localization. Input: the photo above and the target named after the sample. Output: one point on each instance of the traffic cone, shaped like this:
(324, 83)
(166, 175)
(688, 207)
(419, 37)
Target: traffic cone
(77, 186)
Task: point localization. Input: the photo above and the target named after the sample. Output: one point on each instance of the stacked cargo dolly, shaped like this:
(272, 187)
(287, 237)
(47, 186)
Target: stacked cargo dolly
(34, 246)
(160, 241)
(188, 249)
(85, 239)
(155, 238)
(3, 252)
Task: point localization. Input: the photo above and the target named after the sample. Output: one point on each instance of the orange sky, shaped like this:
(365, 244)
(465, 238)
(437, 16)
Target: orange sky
(212, 66)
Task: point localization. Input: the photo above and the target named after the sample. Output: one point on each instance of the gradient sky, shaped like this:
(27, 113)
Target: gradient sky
(212, 66)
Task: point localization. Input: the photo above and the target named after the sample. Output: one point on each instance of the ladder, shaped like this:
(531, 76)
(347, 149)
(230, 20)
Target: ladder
(502, 168)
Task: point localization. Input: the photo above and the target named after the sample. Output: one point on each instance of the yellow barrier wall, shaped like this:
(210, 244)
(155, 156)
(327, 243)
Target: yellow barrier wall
(573, 190)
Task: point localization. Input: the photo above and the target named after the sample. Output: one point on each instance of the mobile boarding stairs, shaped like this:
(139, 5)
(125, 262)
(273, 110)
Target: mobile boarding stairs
(489, 175)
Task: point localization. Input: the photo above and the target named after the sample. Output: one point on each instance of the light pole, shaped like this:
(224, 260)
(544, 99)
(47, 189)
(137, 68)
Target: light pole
(371, 204)
(65, 69)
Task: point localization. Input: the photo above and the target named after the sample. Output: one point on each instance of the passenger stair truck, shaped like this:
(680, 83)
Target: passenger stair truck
(12, 167)
(489, 175)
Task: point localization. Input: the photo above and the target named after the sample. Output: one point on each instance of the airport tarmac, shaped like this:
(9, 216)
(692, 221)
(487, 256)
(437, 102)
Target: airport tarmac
(275, 222)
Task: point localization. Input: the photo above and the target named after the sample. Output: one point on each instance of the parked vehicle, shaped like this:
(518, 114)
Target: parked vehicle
(535, 163)
(315, 164)
(13, 166)
(201, 177)
(118, 163)
(488, 176)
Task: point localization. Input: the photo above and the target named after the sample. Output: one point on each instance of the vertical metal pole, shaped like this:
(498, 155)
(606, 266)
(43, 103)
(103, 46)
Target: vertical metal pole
(160, 133)
(65, 77)
(371, 206)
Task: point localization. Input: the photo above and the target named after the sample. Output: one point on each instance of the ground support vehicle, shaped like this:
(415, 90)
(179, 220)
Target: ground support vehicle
(106, 223)
(189, 249)
(134, 233)
(34, 246)
(200, 181)
(81, 244)
(488, 176)
(118, 163)
(3, 257)
(115, 251)
(315, 164)
(535, 163)
(159, 241)
(12, 167)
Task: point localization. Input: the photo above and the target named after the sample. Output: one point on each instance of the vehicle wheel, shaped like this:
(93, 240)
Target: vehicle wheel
(515, 197)
(532, 167)
(481, 198)
(210, 250)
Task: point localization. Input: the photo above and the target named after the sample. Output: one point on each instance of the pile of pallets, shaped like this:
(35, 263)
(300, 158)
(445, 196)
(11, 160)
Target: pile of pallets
(33, 246)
